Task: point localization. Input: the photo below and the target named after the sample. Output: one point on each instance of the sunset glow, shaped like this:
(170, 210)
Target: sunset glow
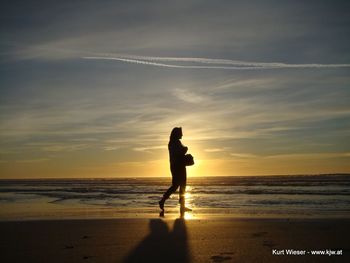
(94, 90)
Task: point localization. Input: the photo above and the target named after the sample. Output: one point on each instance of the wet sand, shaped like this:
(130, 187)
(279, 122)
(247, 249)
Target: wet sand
(173, 240)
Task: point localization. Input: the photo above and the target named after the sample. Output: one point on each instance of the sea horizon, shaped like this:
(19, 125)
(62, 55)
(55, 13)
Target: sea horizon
(169, 176)
(293, 196)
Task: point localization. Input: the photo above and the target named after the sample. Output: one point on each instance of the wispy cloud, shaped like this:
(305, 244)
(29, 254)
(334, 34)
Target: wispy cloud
(63, 148)
(149, 148)
(188, 96)
(243, 155)
(111, 148)
(214, 150)
(208, 63)
(40, 160)
(310, 155)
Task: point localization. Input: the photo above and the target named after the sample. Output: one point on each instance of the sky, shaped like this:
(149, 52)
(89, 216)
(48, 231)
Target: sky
(93, 88)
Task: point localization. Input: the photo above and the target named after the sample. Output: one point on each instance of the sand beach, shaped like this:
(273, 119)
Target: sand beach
(175, 240)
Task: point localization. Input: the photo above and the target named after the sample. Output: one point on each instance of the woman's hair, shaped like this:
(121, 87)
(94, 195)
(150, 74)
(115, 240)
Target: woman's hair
(176, 133)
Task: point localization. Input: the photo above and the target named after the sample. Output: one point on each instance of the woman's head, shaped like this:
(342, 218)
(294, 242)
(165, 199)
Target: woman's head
(176, 133)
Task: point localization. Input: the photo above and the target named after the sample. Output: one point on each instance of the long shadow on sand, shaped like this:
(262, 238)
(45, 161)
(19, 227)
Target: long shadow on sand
(162, 245)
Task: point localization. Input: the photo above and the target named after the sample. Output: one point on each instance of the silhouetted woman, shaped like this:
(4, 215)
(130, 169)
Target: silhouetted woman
(178, 169)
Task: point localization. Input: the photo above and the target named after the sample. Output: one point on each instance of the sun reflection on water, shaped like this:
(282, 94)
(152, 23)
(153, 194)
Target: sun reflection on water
(189, 197)
(188, 216)
(188, 203)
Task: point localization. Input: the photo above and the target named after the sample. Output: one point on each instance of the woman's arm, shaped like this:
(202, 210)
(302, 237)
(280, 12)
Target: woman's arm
(177, 149)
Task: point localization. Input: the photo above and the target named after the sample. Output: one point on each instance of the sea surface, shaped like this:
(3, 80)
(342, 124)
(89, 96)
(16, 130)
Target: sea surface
(237, 196)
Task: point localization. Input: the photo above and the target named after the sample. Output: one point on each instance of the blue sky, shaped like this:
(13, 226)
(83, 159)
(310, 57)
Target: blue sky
(93, 88)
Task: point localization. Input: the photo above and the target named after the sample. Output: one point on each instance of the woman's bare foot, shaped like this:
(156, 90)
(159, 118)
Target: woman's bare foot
(161, 204)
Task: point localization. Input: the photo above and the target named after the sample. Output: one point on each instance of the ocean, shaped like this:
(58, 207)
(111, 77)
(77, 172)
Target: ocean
(303, 196)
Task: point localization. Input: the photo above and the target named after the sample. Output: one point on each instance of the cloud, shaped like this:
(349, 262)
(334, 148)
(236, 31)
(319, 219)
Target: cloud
(188, 96)
(212, 63)
(214, 150)
(149, 148)
(63, 148)
(111, 148)
(310, 155)
(33, 160)
(243, 155)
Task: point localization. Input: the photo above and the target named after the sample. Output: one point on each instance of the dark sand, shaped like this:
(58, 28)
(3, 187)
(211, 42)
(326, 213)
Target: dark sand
(157, 240)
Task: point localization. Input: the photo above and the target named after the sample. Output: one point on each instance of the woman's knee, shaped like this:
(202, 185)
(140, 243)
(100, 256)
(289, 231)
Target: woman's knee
(174, 187)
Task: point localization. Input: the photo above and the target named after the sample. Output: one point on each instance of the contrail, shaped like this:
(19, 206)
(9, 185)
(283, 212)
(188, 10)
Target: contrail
(175, 62)
(207, 63)
(150, 63)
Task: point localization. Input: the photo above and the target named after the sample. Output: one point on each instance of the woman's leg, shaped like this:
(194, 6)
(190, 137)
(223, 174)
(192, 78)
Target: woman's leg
(182, 191)
(170, 191)
(182, 194)
(167, 194)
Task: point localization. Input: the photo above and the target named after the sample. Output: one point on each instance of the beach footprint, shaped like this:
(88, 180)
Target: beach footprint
(222, 257)
(269, 243)
(88, 257)
(259, 234)
(68, 247)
